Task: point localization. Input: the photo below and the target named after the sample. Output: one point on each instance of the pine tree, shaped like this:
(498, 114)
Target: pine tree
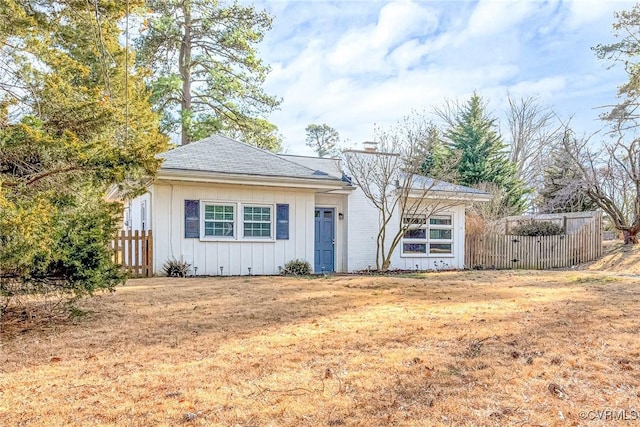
(205, 71)
(483, 158)
(323, 139)
(84, 123)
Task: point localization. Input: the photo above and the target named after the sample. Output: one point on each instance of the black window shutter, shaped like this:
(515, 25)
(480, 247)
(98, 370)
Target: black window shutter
(192, 219)
(282, 222)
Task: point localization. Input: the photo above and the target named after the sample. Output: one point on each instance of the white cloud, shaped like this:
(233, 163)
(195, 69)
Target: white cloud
(351, 64)
(492, 17)
(365, 49)
(584, 12)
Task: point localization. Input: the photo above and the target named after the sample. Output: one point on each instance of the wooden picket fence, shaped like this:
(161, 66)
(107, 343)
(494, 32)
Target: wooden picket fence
(501, 251)
(133, 250)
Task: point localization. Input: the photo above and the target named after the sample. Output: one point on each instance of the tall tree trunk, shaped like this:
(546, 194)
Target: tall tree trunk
(185, 73)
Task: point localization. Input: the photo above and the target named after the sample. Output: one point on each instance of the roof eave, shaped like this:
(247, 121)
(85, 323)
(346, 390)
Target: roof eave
(450, 195)
(259, 180)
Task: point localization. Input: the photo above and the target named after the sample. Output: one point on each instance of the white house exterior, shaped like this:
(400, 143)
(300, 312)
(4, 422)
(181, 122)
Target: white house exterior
(229, 208)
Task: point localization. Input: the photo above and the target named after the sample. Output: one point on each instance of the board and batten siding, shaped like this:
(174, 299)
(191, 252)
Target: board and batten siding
(138, 213)
(364, 220)
(237, 256)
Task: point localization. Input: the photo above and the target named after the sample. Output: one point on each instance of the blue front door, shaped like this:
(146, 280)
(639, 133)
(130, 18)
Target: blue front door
(324, 242)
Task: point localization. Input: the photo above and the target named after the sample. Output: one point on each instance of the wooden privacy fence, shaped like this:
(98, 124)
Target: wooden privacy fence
(533, 252)
(133, 250)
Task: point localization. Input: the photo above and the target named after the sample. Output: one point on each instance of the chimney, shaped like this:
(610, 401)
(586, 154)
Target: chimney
(370, 146)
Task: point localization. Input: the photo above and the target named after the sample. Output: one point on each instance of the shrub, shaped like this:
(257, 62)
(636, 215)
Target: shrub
(297, 267)
(59, 250)
(537, 228)
(175, 268)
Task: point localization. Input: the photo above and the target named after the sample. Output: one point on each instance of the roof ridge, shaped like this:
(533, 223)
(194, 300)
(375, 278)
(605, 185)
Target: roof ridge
(307, 157)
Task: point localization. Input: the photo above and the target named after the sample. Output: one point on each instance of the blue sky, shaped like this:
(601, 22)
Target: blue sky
(353, 64)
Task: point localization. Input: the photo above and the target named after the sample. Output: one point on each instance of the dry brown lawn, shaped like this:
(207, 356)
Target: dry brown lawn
(451, 348)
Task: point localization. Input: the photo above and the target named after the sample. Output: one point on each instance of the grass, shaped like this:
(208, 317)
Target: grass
(451, 348)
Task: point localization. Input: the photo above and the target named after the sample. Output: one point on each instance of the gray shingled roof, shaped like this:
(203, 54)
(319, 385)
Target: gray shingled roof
(224, 155)
(327, 165)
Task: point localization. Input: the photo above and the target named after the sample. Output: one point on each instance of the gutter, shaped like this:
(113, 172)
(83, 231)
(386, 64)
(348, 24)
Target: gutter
(268, 181)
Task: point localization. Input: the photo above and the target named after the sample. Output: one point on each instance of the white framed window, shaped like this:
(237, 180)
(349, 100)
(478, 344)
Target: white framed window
(235, 221)
(219, 220)
(257, 221)
(425, 237)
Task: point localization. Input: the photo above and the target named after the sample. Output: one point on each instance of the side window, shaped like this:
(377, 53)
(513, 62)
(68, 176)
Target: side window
(143, 215)
(427, 236)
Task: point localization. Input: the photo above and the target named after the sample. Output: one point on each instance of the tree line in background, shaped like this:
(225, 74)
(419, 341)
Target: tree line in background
(461, 142)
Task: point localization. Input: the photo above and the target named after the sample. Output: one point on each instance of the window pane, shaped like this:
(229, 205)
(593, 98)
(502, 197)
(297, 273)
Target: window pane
(217, 228)
(417, 220)
(208, 229)
(328, 214)
(208, 212)
(227, 229)
(414, 248)
(440, 248)
(440, 220)
(253, 229)
(219, 213)
(415, 234)
(440, 234)
(252, 213)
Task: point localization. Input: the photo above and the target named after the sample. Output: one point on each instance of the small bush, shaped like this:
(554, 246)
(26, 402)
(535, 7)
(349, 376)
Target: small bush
(175, 268)
(297, 267)
(537, 228)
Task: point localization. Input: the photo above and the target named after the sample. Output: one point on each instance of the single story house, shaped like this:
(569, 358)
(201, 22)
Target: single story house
(229, 208)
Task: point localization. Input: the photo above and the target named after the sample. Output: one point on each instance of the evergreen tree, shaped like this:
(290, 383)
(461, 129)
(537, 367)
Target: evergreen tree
(205, 72)
(562, 190)
(83, 124)
(323, 139)
(482, 157)
(433, 154)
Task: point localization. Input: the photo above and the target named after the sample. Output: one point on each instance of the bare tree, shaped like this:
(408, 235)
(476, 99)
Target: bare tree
(534, 132)
(610, 176)
(390, 179)
(611, 173)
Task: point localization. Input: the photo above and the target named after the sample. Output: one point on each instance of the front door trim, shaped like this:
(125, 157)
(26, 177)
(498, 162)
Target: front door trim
(324, 250)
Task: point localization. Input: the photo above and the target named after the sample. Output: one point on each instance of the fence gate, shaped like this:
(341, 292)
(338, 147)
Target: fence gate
(531, 252)
(133, 250)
